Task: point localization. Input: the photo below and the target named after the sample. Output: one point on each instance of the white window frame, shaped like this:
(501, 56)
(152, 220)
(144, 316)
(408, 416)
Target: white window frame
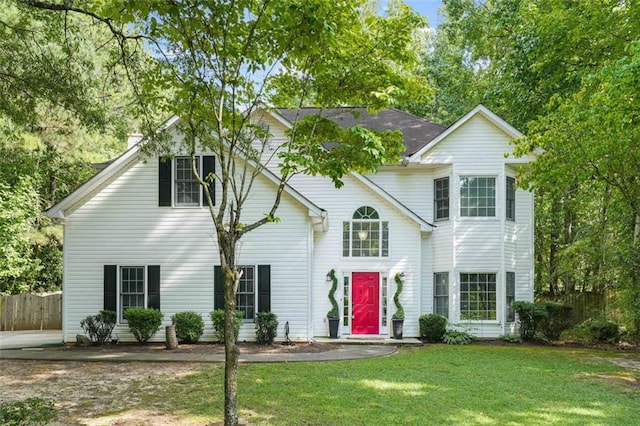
(374, 225)
(437, 200)
(477, 198)
(495, 299)
(254, 293)
(510, 201)
(119, 292)
(174, 182)
(510, 296)
(436, 295)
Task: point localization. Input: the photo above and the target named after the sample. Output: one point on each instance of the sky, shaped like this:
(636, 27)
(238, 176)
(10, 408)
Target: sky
(428, 8)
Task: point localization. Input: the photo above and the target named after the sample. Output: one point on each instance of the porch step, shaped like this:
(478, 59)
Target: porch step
(353, 340)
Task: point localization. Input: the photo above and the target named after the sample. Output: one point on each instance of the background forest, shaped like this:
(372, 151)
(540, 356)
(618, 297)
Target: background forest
(567, 74)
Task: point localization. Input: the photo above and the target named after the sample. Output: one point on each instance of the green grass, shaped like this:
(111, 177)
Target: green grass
(436, 384)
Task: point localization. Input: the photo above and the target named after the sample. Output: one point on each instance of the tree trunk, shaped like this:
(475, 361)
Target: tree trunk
(231, 351)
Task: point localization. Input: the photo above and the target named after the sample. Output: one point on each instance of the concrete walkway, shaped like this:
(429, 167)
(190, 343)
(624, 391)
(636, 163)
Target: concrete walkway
(32, 345)
(29, 339)
(343, 352)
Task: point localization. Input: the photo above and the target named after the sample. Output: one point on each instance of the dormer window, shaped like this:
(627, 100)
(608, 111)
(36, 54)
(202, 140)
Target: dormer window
(365, 235)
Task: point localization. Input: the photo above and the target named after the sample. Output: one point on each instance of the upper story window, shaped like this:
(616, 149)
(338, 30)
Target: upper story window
(366, 235)
(177, 185)
(477, 196)
(510, 202)
(186, 187)
(441, 198)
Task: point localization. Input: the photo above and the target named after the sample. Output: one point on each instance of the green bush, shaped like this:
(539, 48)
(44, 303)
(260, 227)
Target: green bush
(530, 315)
(603, 331)
(266, 327)
(217, 317)
(143, 322)
(557, 320)
(432, 327)
(455, 337)
(99, 327)
(31, 411)
(189, 326)
(512, 338)
(578, 333)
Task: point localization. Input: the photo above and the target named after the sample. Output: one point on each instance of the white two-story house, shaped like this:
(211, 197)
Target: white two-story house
(449, 217)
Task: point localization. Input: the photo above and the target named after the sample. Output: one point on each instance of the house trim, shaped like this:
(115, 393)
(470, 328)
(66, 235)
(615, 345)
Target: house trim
(483, 111)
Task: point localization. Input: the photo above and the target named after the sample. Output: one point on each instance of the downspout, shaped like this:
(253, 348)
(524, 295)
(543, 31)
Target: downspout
(310, 272)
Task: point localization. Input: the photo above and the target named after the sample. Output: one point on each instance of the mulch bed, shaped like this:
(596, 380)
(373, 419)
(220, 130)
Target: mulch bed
(203, 348)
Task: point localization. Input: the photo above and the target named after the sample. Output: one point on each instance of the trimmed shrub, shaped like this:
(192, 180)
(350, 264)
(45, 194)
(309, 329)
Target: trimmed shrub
(432, 327)
(99, 327)
(143, 322)
(455, 337)
(217, 318)
(603, 331)
(557, 320)
(530, 315)
(189, 326)
(266, 327)
(31, 411)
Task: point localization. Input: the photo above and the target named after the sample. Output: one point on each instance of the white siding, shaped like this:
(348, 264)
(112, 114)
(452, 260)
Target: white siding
(123, 225)
(404, 249)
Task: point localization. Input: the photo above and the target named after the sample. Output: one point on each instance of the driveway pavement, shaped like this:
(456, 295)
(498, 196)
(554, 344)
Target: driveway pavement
(29, 338)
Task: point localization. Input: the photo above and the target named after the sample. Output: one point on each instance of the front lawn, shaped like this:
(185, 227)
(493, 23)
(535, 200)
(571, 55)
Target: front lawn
(436, 384)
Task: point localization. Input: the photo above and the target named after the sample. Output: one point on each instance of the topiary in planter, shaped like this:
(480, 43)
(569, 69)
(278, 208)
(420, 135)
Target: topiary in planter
(189, 326)
(335, 311)
(143, 322)
(399, 313)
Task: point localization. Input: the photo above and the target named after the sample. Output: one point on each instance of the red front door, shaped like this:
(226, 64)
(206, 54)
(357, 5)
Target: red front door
(365, 299)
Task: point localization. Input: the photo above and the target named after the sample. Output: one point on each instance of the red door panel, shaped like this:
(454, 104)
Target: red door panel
(365, 299)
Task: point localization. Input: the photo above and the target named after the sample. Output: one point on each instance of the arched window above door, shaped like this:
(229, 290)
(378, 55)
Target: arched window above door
(365, 235)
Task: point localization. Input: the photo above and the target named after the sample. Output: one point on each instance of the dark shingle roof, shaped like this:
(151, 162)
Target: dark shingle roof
(417, 131)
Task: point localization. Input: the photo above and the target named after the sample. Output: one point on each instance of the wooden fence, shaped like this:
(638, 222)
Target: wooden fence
(31, 312)
(585, 305)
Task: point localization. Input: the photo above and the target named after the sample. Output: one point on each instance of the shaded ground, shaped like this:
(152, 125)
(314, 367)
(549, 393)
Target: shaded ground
(81, 390)
(204, 348)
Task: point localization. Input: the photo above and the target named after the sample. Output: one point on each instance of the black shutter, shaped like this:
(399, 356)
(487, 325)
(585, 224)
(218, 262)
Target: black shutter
(164, 182)
(209, 166)
(153, 286)
(264, 288)
(218, 288)
(110, 287)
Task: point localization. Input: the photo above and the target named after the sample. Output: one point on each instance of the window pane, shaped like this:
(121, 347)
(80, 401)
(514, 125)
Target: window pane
(365, 237)
(131, 288)
(187, 189)
(441, 198)
(477, 296)
(245, 299)
(510, 204)
(384, 301)
(345, 305)
(441, 293)
(510, 296)
(346, 239)
(477, 196)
